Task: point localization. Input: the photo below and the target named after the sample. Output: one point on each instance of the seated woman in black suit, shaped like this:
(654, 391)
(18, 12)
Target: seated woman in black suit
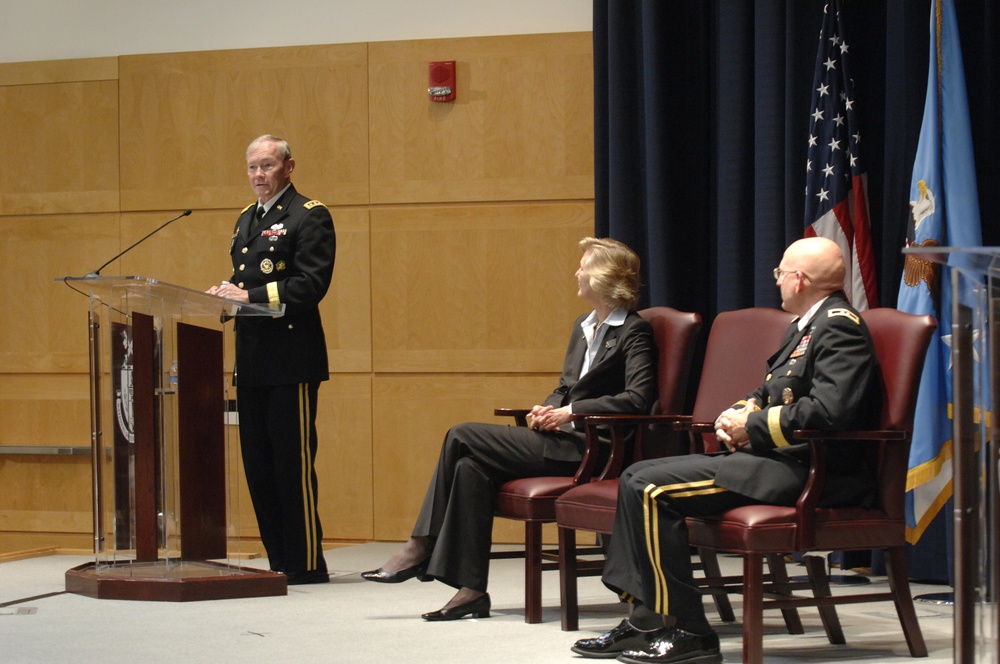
(610, 367)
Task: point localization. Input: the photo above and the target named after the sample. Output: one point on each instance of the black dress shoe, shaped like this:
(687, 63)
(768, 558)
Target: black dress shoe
(478, 608)
(380, 576)
(676, 645)
(611, 644)
(308, 576)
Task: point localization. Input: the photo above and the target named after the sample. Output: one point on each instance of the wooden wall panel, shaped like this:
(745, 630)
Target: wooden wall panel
(521, 127)
(475, 288)
(48, 333)
(59, 71)
(411, 416)
(343, 461)
(186, 119)
(344, 457)
(192, 252)
(45, 500)
(347, 308)
(45, 409)
(64, 140)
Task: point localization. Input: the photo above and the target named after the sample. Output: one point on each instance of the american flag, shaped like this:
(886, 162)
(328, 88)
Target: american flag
(836, 184)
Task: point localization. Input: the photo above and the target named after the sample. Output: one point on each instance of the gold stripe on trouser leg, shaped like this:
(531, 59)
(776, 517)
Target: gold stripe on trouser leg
(308, 499)
(651, 510)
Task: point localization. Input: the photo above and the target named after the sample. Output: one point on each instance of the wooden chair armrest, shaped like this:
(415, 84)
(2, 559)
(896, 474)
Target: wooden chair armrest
(632, 420)
(520, 415)
(805, 506)
(617, 427)
(697, 427)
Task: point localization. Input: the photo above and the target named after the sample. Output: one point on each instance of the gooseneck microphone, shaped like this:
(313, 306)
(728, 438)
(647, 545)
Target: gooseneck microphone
(97, 272)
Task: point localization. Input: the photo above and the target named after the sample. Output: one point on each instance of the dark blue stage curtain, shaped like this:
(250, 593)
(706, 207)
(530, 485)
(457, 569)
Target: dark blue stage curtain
(701, 123)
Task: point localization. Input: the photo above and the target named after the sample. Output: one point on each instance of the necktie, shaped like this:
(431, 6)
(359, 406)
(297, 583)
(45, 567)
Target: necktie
(255, 224)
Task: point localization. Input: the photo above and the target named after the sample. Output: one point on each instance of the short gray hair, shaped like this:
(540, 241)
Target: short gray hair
(286, 152)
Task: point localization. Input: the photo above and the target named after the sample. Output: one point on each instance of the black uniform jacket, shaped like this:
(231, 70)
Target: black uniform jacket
(287, 259)
(621, 380)
(824, 377)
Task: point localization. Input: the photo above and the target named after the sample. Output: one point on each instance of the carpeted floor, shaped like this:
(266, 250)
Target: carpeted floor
(350, 620)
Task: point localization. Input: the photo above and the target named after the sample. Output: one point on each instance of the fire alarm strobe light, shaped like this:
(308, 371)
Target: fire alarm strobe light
(441, 80)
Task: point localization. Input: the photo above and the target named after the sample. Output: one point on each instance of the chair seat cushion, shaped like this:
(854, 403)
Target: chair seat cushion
(771, 529)
(531, 498)
(589, 506)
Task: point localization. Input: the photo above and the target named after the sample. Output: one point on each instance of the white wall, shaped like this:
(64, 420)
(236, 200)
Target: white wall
(66, 29)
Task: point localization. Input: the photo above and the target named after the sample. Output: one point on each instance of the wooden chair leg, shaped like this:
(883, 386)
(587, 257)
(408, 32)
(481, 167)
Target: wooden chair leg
(570, 606)
(753, 608)
(779, 584)
(900, 587)
(532, 572)
(710, 564)
(819, 579)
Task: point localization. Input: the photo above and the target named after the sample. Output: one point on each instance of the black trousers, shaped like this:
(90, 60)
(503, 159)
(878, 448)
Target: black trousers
(649, 558)
(457, 513)
(278, 441)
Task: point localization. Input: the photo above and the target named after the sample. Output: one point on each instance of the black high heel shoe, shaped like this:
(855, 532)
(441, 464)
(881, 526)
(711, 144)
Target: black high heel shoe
(478, 608)
(380, 576)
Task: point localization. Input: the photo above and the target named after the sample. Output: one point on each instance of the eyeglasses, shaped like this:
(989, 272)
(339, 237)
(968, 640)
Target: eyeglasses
(777, 272)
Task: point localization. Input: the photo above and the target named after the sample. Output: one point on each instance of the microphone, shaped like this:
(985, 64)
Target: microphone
(97, 272)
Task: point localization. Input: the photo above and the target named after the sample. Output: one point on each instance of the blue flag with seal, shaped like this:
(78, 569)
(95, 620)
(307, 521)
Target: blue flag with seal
(944, 211)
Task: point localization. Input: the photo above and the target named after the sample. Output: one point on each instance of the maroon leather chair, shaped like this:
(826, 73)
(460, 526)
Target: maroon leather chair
(532, 499)
(759, 531)
(735, 361)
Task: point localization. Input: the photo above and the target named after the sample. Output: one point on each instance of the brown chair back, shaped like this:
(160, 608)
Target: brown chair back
(901, 342)
(898, 338)
(735, 361)
(674, 333)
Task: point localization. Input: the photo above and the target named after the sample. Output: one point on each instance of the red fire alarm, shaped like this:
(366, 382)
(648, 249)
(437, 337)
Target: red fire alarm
(441, 80)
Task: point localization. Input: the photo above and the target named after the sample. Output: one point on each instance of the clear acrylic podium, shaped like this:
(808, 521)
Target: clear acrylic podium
(164, 522)
(972, 275)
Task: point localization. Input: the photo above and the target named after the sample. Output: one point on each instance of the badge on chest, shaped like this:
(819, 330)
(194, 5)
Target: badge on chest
(800, 350)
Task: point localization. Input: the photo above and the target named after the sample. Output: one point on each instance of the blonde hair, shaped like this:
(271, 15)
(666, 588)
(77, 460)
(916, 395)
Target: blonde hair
(614, 271)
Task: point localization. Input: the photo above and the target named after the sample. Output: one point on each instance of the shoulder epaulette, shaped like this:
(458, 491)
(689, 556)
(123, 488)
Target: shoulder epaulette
(247, 208)
(311, 204)
(846, 313)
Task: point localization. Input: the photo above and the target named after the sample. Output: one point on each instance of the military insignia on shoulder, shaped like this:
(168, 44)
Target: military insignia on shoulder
(311, 204)
(846, 313)
(247, 208)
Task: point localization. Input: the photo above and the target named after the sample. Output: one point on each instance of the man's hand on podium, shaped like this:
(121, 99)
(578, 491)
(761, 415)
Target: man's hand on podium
(230, 292)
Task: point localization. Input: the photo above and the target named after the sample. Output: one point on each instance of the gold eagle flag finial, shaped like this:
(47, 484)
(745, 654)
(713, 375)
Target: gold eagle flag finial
(917, 269)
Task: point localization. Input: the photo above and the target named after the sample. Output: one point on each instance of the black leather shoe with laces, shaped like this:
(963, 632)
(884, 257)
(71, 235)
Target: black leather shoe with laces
(611, 644)
(676, 645)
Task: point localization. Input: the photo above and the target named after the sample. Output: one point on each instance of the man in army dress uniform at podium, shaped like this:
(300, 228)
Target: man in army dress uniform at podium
(283, 250)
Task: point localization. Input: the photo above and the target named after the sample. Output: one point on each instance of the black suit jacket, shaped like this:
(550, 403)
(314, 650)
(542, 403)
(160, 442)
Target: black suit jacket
(287, 259)
(823, 377)
(621, 380)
